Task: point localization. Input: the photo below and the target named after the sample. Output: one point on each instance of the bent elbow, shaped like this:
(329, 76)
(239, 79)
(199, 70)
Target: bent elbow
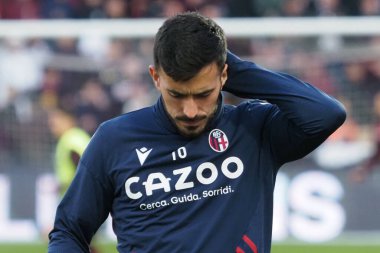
(335, 117)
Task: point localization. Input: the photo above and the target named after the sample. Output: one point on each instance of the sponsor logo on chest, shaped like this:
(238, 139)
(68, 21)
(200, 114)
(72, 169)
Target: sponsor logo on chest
(187, 177)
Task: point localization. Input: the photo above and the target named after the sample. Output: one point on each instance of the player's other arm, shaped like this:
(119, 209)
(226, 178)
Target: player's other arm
(83, 209)
(85, 206)
(303, 117)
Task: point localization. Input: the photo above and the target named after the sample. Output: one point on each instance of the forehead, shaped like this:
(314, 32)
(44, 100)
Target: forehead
(207, 78)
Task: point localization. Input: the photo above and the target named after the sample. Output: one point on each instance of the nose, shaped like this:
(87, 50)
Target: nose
(190, 108)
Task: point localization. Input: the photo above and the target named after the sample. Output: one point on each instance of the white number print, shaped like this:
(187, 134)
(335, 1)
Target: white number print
(181, 152)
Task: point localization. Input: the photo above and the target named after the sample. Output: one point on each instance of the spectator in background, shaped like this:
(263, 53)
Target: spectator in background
(116, 8)
(100, 9)
(346, 147)
(17, 56)
(369, 7)
(213, 10)
(295, 8)
(51, 82)
(193, 4)
(132, 90)
(328, 8)
(91, 9)
(250, 8)
(57, 9)
(72, 141)
(317, 74)
(272, 51)
(140, 8)
(349, 132)
(65, 46)
(374, 65)
(94, 105)
(171, 7)
(109, 72)
(353, 85)
(360, 173)
(94, 46)
(19, 9)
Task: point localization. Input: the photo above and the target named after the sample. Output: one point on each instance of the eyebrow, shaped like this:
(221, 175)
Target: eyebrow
(194, 94)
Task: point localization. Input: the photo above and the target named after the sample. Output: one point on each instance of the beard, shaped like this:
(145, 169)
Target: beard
(192, 127)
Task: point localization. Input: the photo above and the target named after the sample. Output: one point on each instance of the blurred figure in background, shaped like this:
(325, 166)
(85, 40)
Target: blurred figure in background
(369, 7)
(328, 8)
(71, 142)
(346, 147)
(115, 9)
(27, 9)
(20, 56)
(361, 173)
(295, 8)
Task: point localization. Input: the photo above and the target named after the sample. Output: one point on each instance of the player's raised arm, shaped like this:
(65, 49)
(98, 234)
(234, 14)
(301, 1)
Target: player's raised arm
(305, 116)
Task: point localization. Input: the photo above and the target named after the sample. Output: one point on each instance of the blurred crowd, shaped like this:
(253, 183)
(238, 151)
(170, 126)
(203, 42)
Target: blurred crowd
(96, 78)
(33, 9)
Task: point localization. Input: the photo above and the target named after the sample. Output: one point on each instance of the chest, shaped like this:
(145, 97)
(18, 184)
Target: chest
(155, 174)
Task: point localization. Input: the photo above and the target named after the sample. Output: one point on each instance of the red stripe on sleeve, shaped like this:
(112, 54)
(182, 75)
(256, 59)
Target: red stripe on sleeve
(250, 243)
(239, 250)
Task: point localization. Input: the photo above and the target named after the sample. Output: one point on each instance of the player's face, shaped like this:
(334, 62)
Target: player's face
(191, 104)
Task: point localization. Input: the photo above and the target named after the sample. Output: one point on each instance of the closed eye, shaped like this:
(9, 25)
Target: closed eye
(176, 94)
(203, 95)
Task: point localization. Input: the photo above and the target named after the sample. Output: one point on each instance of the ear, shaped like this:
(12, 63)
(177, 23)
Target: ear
(224, 76)
(155, 77)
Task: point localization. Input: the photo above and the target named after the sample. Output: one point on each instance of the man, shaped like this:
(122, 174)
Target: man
(191, 174)
(71, 144)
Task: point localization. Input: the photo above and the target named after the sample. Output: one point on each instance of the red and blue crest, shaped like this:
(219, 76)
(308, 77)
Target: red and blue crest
(218, 140)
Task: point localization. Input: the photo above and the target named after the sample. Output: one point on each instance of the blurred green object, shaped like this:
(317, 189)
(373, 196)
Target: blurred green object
(277, 248)
(42, 247)
(325, 248)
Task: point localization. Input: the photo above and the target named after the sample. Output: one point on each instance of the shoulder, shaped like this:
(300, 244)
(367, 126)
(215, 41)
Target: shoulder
(252, 113)
(123, 127)
(112, 134)
(128, 120)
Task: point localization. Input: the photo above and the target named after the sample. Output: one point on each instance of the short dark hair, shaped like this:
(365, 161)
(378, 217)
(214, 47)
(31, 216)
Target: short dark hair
(186, 43)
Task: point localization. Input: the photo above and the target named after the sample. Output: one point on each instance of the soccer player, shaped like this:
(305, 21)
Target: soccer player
(190, 173)
(71, 143)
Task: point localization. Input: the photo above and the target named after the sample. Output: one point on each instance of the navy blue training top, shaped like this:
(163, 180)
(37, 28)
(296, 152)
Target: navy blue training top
(213, 193)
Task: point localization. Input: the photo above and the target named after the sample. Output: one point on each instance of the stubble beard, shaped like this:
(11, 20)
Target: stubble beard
(192, 131)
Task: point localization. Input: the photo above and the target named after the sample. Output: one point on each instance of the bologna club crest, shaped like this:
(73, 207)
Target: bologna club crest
(218, 140)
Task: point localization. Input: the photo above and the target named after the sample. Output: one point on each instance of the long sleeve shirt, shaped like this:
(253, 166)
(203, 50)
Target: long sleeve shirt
(212, 193)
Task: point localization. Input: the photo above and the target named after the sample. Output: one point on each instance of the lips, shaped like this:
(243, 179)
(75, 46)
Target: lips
(191, 123)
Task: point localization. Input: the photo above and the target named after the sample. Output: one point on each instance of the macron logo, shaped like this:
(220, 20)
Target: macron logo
(142, 154)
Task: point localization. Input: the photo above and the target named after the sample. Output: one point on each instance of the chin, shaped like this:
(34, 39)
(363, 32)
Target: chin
(191, 133)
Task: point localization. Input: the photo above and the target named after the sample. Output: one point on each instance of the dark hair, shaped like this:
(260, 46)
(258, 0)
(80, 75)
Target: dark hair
(186, 43)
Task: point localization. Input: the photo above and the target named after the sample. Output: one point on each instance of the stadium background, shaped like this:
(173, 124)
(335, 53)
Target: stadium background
(322, 202)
